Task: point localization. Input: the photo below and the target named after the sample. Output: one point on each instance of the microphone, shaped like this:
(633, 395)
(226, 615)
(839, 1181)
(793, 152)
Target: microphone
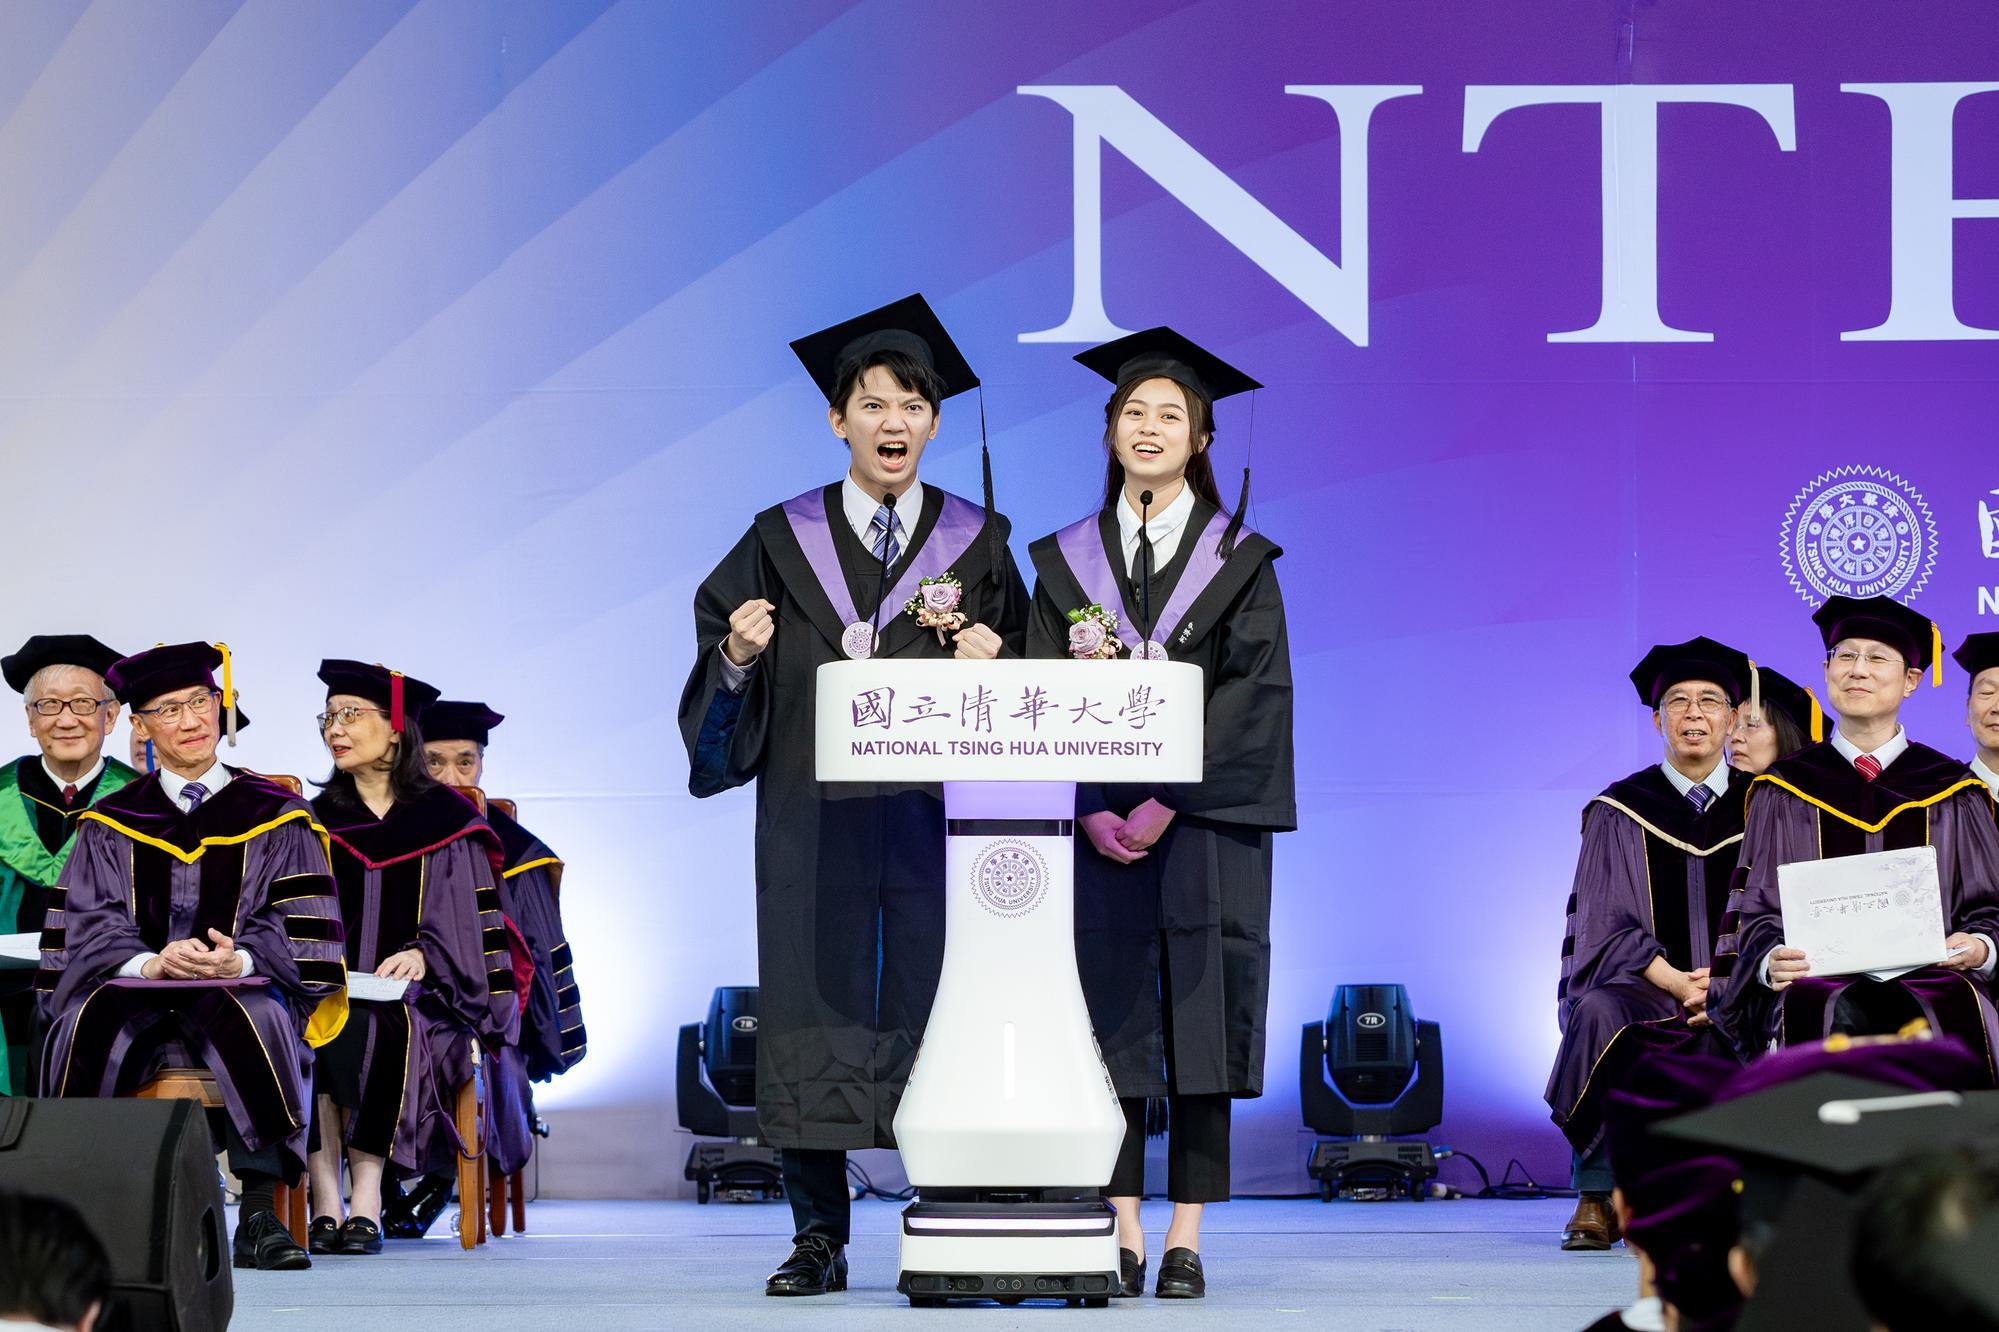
(1145, 557)
(881, 584)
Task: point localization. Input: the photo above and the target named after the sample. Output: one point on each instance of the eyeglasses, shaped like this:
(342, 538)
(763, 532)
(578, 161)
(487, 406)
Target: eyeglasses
(345, 716)
(1749, 723)
(1709, 707)
(82, 707)
(169, 713)
(1846, 659)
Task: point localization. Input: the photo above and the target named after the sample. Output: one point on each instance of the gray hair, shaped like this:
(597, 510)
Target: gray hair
(45, 679)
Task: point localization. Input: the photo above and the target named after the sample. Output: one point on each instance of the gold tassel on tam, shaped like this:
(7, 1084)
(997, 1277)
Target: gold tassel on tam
(228, 693)
(1755, 692)
(1818, 717)
(1936, 656)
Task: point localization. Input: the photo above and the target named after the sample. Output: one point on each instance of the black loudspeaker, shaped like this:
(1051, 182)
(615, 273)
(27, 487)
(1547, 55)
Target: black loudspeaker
(716, 1085)
(142, 1173)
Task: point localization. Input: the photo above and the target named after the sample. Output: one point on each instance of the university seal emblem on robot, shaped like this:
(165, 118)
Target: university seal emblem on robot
(1009, 878)
(1858, 532)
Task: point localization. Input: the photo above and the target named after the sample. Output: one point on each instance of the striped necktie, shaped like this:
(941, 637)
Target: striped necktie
(194, 793)
(881, 532)
(1870, 767)
(1699, 794)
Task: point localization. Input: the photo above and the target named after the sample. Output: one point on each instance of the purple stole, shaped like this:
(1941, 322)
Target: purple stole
(1082, 547)
(958, 525)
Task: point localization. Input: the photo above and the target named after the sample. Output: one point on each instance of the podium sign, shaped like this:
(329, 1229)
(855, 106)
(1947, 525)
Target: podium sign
(883, 720)
(1010, 1124)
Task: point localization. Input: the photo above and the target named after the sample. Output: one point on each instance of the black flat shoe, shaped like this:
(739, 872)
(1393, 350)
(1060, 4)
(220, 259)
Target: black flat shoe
(816, 1266)
(1180, 1276)
(1130, 1274)
(360, 1237)
(263, 1242)
(411, 1215)
(323, 1236)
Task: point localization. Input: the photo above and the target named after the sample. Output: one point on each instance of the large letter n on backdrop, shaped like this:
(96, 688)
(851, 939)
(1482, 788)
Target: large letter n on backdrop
(1337, 293)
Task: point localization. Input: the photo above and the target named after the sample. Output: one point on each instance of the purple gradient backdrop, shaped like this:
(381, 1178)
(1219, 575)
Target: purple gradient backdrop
(455, 336)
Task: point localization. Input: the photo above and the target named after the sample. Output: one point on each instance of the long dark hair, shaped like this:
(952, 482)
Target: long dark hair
(1200, 426)
(1790, 735)
(409, 778)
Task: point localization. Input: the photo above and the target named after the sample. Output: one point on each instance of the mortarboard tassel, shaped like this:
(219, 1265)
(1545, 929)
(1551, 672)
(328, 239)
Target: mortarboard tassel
(1241, 513)
(395, 701)
(1755, 691)
(1936, 656)
(1818, 717)
(995, 548)
(228, 693)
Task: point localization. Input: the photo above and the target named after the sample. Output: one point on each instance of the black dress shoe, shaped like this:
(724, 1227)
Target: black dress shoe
(816, 1266)
(263, 1242)
(323, 1236)
(411, 1215)
(1180, 1276)
(1130, 1274)
(360, 1237)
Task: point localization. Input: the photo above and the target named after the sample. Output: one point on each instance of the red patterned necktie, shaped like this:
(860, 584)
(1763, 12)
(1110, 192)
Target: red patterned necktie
(1870, 767)
(69, 794)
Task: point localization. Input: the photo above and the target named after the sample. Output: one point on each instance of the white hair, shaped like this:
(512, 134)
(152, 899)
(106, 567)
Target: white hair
(45, 679)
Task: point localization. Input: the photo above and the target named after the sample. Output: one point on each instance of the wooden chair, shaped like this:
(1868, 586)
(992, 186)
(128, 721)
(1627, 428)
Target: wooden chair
(198, 1084)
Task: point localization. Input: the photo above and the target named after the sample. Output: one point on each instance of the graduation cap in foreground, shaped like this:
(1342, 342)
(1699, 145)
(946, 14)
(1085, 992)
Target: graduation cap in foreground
(1885, 620)
(911, 327)
(1669, 664)
(1801, 705)
(1978, 652)
(404, 696)
(55, 650)
(1162, 353)
(166, 667)
(1807, 1147)
(450, 719)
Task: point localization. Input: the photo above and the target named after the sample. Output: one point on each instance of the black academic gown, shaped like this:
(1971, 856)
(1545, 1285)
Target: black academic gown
(849, 877)
(1174, 950)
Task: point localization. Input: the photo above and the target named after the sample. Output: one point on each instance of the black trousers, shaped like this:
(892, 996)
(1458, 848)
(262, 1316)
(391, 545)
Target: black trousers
(815, 1180)
(1197, 1149)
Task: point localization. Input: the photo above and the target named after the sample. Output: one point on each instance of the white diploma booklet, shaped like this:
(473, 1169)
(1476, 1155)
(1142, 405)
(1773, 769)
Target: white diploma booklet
(1878, 914)
(20, 951)
(360, 985)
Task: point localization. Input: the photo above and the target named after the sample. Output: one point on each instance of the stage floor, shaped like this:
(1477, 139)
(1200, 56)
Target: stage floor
(599, 1266)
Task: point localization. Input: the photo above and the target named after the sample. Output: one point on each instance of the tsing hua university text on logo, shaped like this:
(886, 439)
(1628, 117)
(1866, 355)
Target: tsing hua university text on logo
(1009, 878)
(1858, 532)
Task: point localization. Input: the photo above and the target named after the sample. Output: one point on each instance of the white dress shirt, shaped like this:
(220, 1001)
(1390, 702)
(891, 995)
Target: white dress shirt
(1885, 754)
(859, 508)
(1166, 526)
(1716, 781)
(175, 787)
(82, 781)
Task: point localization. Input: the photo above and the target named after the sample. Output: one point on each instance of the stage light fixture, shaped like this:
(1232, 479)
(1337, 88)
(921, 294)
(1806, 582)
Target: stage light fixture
(1368, 1075)
(715, 1083)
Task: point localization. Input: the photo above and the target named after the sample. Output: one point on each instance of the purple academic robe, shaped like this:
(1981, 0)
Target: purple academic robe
(1814, 805)
(1652, 881)
(425, 876)
(249, 861)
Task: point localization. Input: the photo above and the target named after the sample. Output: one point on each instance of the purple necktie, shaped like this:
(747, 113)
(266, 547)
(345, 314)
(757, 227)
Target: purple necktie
(884, 547)
(195, 793)
(1700, 795)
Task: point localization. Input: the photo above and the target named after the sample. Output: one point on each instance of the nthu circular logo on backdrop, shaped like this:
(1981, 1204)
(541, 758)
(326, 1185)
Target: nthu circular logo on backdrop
(1858, 532)
(1009, 878)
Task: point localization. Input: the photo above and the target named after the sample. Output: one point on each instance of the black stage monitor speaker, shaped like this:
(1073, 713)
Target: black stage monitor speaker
(143, 1175)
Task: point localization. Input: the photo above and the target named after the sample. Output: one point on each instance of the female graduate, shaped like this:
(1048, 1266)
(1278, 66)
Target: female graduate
(1173, 886)
(1780, 718)
(414, 864)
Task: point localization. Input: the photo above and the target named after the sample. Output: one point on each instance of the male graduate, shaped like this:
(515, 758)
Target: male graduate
(1651, 882)
(1979, 656)
(195, 924)
(850, 904)
(1867, 788)
(60, 678)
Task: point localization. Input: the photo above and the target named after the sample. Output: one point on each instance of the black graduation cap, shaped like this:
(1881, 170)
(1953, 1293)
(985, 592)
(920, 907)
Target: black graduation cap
(1162, 353)
(1799, 703)
(908, 325)
(165, 667)
(1978, 652)
(1886, 620)
(1808, 1147)
(454, 720)
(55, 650)
(1669, 664)
(405, 696)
